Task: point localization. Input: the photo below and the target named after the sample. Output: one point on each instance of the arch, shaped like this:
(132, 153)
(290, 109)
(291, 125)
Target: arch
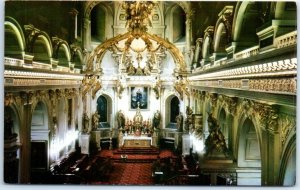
(77, 58)
(92, 4)
(287, 171)
(220, 39)
(249, 153)
(99, 52)
(40, 116)
(12, 112)
(14, 38)
(169, 113)
(105, 117)
(12, 128)
(223, 124)
(246, 21)
(240, 119)
(102, 108)
(39, 138)
(62, 53)
(207, 44)
(176, 22)
(41, 48)
(98, 17)
(108, 13)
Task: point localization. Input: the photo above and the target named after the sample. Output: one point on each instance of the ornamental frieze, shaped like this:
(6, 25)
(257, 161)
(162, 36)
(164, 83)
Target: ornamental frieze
(275, 85)
(288, 85)
(37, 82)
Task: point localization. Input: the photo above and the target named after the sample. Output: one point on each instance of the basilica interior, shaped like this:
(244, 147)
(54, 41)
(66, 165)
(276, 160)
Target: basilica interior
(179, 92)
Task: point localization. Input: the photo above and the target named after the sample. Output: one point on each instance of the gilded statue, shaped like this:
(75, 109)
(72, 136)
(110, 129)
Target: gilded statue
(138, 118)
(215, 142)
(189, 118)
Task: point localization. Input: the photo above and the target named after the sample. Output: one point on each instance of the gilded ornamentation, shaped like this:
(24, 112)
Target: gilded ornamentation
(96, 88)
(91, 82)
(215, 142)
(181, 86)
(59, 93)
(268, 115)
(138, 14)
(189, 119)
(9, 99)
(231, 103)
(288, 124)
(40, 94)
(213, 99)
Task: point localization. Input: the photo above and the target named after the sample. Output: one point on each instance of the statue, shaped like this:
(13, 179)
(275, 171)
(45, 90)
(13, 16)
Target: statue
(189, 118)
(121, 119)
(95, 120)
(157, 88)
(138, 118)
(215, 140)
(156, 120)
(86, 120)
(179, 122)
(120, 89)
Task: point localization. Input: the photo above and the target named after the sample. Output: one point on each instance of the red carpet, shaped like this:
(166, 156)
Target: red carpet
(131, 174)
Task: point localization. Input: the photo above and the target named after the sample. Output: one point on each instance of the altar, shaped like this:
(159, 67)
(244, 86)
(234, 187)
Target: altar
(137, 141)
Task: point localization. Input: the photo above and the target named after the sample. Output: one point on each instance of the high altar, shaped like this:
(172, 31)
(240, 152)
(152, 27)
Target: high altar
(136, 132)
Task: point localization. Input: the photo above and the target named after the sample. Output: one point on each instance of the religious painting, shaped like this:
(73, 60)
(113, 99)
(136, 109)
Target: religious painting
(139, 97)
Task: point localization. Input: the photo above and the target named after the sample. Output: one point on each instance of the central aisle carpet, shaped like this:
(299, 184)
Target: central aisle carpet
(131, 174)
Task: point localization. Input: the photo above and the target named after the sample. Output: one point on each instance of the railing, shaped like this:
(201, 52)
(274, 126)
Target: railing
(246, 53)
(286, 40)
(13, 61)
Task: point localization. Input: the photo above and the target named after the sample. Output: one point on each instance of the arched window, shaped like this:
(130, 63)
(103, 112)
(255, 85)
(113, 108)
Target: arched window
(102, 108)
(174, 109)
(98, 17)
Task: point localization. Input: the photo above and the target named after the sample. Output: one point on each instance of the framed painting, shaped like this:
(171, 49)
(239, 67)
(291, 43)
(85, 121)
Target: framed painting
(139, 96)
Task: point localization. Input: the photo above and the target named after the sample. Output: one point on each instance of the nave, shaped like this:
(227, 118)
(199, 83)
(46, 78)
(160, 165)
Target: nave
(127, 166)
(214, 82)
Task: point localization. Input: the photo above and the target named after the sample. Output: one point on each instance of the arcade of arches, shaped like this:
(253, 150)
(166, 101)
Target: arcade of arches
(212, 82)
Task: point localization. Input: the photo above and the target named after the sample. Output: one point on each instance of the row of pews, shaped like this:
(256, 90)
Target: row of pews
(76, 168)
